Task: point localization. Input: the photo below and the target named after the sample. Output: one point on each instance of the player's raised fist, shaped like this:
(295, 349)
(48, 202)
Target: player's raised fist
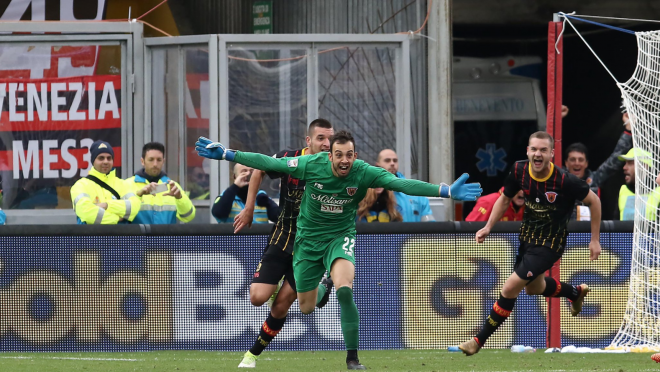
(481, 235)
(594, 250)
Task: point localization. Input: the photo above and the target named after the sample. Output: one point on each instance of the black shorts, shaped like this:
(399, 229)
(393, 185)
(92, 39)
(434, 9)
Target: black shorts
(274, 264)
(534, 260)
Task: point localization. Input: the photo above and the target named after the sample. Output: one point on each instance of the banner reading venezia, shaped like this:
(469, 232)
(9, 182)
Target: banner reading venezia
(47, 126)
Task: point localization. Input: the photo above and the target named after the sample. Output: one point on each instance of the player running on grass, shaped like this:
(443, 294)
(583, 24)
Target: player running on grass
(336, 183)
(276, 264)
(550, 195)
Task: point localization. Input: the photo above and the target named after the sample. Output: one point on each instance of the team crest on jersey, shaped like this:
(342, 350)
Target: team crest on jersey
(351, 190)
(293, 163)
(551, 196)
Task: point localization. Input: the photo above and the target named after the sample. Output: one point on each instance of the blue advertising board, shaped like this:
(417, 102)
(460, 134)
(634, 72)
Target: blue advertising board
(133, 293)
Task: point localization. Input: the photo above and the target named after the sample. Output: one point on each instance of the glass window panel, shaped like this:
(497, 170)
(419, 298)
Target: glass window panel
(50, 117)
(165, 106)
(357, 92)
(197, 113)
(267, 102)
(180, 113)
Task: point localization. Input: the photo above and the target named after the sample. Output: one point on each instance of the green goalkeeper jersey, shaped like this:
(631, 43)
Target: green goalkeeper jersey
(330, 203)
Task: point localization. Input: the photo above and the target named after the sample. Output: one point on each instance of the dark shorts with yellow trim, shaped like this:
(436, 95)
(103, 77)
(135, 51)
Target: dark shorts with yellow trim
(534, 260)
(275, 263)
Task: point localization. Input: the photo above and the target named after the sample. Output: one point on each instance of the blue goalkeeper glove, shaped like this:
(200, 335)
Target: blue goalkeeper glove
(213, 150)
(459, 190)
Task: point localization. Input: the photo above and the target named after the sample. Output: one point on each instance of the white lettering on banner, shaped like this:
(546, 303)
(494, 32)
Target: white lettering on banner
(87, 157)
(17, 8)
(35, 59)
(50, 159)
(91, 107)
(24, 161)
(41, 104)
(15, 101)
(109, 101)
(57, 101)
(37, 94)
(74, 114)
(230, 298)
(67, 14)
(67, 157)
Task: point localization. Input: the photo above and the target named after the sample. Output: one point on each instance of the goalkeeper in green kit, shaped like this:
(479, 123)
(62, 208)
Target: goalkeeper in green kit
(335, 185)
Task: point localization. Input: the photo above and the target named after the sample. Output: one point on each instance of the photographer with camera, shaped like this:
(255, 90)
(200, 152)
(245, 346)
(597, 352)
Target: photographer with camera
(232, 201)
(163, 199)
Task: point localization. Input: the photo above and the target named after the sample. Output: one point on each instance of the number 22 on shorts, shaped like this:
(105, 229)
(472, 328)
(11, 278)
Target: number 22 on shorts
(349, 243)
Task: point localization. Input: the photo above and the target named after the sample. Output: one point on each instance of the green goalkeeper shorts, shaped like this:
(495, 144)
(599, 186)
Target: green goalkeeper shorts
(311, 258)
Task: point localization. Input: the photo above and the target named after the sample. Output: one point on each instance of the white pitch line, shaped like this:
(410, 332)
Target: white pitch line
(72, 358)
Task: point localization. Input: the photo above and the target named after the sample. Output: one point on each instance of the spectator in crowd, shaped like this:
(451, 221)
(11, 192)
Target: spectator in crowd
(626, 202)
(411, 208)
(613, 163)
(577, 159)
(379, 205)
(163, 200)
(577, 163)
(232, 201)
(484, 207)
(102, 197)
(198, 184)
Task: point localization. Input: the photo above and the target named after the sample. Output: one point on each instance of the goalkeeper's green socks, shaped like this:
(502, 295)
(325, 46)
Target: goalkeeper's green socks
(350, 320)
(498, 314)
(321, 293)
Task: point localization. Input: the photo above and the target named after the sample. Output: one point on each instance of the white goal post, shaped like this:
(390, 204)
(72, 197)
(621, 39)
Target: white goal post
(640, 330)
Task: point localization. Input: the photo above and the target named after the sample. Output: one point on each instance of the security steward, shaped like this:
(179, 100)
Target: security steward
(163, 200)
(102, 197)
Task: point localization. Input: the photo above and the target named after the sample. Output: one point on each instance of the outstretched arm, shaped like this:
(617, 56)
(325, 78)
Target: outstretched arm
(459, 190)
(268, 163)
(215, 150)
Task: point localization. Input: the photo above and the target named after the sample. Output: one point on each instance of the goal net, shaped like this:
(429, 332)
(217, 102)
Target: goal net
(641, 94)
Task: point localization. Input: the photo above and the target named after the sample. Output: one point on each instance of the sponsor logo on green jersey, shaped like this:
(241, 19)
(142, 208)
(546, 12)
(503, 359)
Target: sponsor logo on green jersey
(330, 199)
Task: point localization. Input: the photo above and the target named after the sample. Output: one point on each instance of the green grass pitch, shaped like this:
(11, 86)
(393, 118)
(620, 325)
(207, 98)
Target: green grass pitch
(319, 361)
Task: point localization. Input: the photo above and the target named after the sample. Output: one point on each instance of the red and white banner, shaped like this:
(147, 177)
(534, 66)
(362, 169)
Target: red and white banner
(47, 125)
